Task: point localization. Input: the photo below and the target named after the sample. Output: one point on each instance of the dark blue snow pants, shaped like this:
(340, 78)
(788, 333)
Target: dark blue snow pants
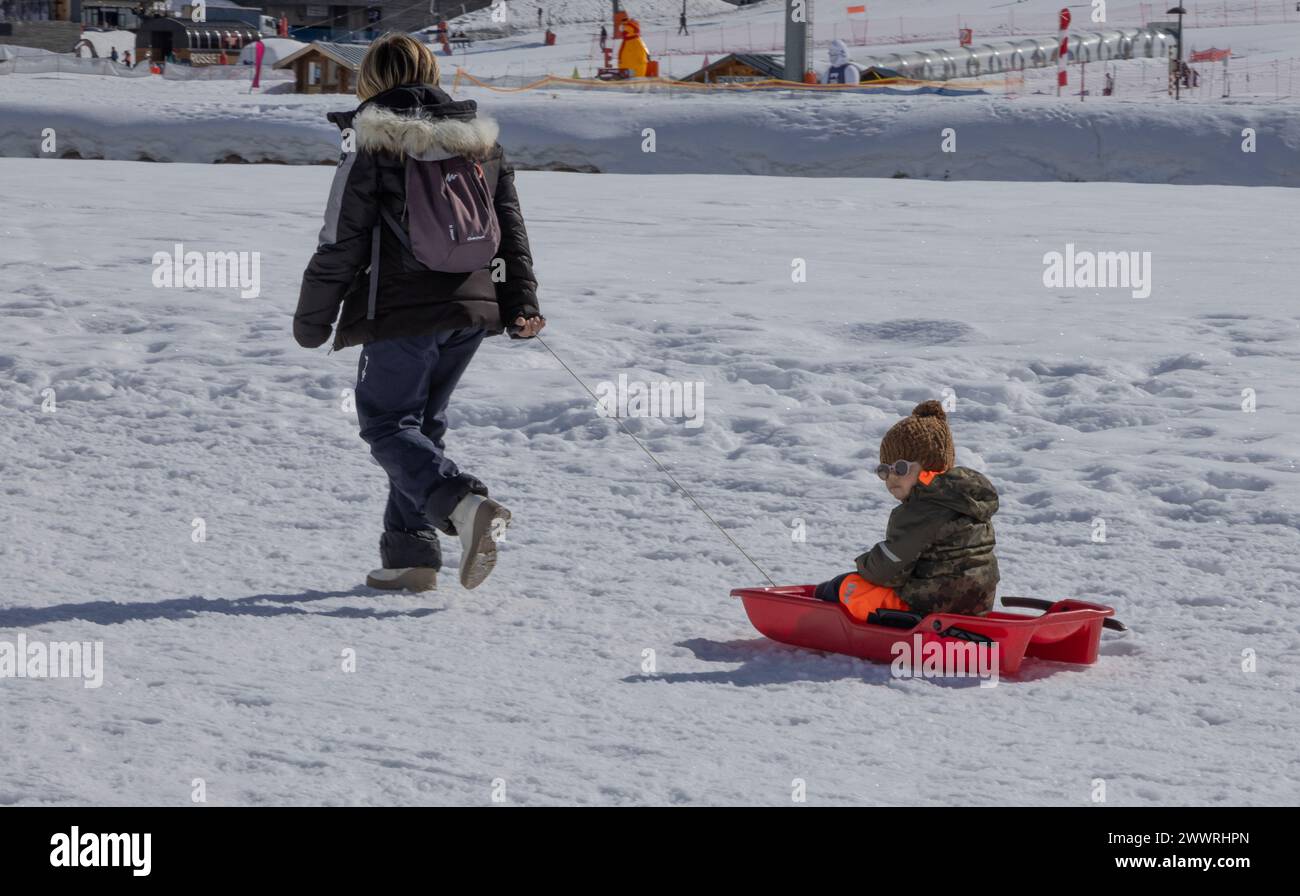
(403, 385)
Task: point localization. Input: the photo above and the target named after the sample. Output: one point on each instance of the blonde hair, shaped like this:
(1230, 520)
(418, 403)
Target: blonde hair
(393, 60)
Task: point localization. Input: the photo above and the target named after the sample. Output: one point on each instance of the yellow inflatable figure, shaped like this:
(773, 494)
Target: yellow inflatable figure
(632, 53)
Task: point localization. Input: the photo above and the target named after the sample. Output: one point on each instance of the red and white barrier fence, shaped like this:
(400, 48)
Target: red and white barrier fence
(1148, 79)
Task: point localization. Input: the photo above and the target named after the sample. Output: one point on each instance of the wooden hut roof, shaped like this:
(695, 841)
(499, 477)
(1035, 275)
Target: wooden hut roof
(347, 55)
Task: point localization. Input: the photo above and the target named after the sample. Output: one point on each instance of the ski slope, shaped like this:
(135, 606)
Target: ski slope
(224, 657)
(1263, 30)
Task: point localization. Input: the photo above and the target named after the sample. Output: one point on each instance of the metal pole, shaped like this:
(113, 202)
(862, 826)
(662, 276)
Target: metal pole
(1178, 62)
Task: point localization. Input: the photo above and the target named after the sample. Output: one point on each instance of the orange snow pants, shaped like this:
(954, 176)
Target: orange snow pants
(860, 597)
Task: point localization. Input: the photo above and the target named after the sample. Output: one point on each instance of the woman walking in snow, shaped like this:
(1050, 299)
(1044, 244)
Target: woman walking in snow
(418, 325)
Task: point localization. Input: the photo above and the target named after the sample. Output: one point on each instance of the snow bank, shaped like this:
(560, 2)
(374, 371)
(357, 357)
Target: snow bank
(997, 138)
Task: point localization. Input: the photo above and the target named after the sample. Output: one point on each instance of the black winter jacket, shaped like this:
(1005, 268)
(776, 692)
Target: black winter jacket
(421, 121)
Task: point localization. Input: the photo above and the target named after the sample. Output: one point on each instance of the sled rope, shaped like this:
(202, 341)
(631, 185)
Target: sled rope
(659, 464)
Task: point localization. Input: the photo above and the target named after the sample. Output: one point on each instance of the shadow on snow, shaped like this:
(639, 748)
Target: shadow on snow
(106, 612)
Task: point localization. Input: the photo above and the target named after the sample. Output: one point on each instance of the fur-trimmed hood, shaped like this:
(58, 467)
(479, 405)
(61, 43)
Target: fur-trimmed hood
(423, 122)
(424, 137)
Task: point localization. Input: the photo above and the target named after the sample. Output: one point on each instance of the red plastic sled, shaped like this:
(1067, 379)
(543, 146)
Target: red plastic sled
(1069, 631)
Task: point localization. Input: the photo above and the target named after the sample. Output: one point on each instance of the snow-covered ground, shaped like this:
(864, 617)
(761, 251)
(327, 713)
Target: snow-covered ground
(224, 657)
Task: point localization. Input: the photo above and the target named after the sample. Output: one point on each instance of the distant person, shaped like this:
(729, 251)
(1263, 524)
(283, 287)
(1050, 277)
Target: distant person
(604, 38)
(1109, 89)
(539, 17)
(113, 55)
(681, 23)
(126, 58)
(841, 71)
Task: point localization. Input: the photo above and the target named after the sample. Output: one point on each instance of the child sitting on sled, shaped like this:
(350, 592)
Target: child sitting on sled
(937, 555)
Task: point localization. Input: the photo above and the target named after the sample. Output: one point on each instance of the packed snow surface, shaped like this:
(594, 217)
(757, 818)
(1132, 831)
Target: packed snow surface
(604, 663)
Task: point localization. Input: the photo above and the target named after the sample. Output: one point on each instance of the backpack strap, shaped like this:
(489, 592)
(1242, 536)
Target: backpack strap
(375, 234)
(397, 227)
(374, 272)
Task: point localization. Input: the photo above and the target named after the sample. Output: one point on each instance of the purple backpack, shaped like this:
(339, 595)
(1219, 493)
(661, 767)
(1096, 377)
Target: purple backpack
(451, 218)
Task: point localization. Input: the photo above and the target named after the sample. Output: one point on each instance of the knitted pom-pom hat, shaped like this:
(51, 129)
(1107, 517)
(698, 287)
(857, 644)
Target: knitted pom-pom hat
(923, 437)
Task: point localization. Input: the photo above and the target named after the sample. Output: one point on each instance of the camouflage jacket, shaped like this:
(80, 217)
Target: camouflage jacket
(938, 547)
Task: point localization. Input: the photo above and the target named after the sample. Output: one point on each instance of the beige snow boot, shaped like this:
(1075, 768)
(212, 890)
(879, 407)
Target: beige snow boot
(479, 521)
